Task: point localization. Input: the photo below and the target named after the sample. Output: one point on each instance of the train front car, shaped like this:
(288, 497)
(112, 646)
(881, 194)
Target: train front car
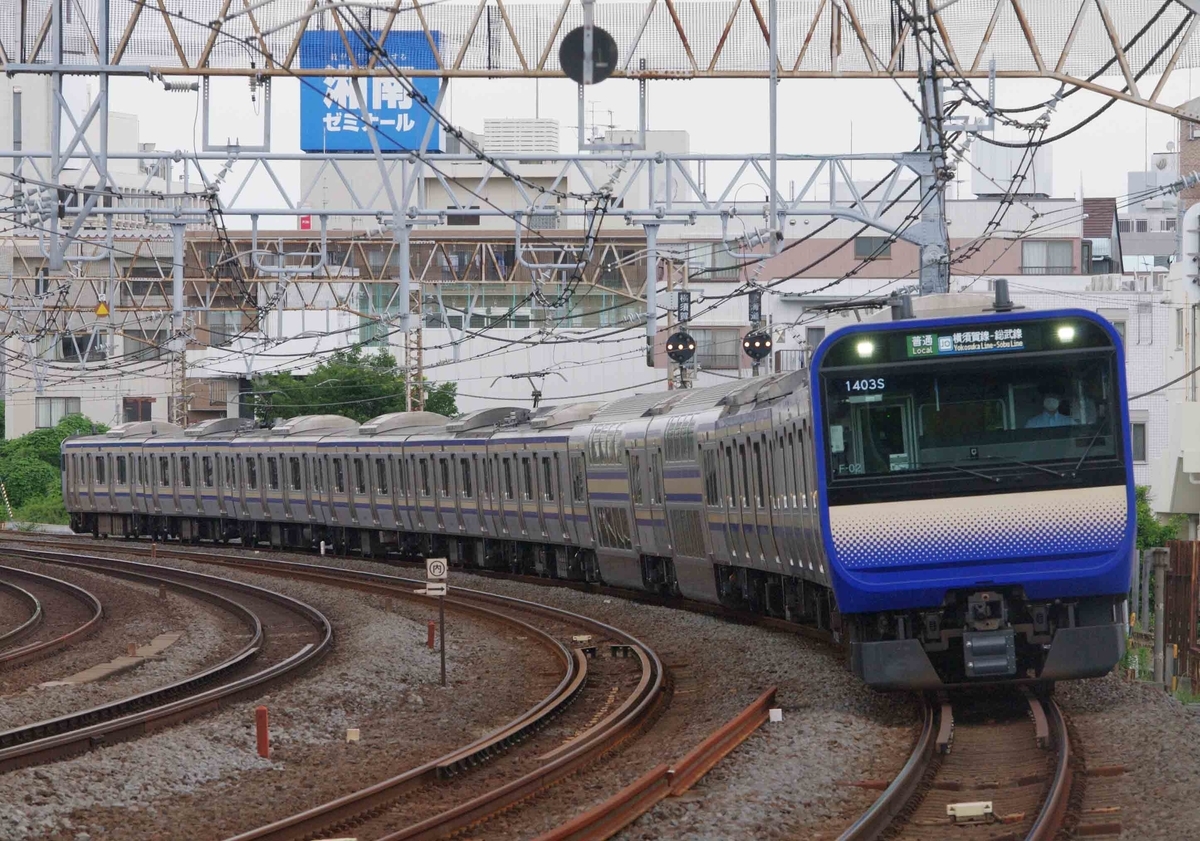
(978, 510)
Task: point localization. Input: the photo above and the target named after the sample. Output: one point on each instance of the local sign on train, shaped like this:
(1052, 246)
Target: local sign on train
(436, 569)
(967, 341)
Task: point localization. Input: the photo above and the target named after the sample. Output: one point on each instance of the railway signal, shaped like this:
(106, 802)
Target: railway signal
(757, 345)
(571, 56)
(681, 347)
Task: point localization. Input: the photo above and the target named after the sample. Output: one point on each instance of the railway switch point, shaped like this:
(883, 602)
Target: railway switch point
(262, 732)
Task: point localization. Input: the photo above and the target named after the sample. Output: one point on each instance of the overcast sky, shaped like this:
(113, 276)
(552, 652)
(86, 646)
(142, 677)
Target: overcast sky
(721, 116)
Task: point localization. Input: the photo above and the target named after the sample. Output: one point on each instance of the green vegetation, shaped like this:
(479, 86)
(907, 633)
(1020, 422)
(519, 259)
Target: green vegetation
(29, 468)
(1151, 532)
(350, 383)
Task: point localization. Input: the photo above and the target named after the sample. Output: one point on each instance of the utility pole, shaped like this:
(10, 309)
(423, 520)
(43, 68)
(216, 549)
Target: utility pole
(179, 413)
(935, 247)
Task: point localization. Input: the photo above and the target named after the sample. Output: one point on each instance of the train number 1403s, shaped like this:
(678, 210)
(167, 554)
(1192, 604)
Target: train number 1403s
(866, 384)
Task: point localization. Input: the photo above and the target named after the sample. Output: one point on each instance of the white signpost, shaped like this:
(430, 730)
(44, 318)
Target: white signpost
(436, 571)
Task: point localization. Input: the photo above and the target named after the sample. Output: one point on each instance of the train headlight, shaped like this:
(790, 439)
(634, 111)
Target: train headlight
(1066, 333)
(865, 348)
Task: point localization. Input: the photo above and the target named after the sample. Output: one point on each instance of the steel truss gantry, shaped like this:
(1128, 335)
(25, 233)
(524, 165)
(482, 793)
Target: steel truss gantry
(65, 201)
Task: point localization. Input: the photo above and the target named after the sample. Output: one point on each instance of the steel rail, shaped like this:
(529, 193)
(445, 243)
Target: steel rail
(31, 602)
(873, 822)
(588, 746)
(630, 803)
(1054, 810)
(28, 653)
(181, 700)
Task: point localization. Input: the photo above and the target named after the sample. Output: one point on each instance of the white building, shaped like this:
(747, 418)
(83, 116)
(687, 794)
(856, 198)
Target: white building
(515, 136)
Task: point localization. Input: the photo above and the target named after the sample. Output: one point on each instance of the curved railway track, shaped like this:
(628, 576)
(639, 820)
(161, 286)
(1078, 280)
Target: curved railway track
(31, 604)
(278, 626)
(1002, 770)
(50, 616)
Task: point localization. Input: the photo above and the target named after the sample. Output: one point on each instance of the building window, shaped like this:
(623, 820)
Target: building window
(144, 345)
(1141, 226)
(1179, 329)
(136, 409)
(223, 327)
(718, 347)
(1167, 224)
(1047, 257)
(1119, 326)
(872, 248)
(1124, 226)
(1138, 440)
(50, 410)
(81, 347)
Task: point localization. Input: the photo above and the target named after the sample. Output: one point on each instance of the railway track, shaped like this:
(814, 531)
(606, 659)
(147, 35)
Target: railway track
(998, 767)
(629, 678)
(286, 636)
(31, 604)
(55, 600)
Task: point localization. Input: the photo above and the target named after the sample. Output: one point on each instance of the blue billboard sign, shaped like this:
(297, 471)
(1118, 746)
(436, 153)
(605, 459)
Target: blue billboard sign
(330, 117)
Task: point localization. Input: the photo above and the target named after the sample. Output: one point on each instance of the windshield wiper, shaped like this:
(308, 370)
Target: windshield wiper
(1049, 470)
(1091, 444)
(989, 477)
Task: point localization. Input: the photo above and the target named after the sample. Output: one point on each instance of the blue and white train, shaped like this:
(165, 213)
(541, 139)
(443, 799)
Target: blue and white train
(951, 494)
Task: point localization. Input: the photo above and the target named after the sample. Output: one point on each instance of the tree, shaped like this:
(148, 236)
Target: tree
(350, 383)
(1151, 532)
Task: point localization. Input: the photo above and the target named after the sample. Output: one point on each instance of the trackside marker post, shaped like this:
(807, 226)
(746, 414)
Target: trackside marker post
(432, 633)
(436, 571)
(261, 732)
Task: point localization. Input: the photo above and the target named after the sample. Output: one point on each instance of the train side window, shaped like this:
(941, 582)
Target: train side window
(100, 472)
(122, 471)
(712, 494)
(547, 479)
(508, 488)
(424, 477)
(578, 479)
(185, 471)
(381, 475)
(402, 475)
(467, 490)
(557, 476)
(295, 473)
(730, 485)
(803, 462)
(527, 476)
(445, 464)
(250, 464)
(272, 473)
(761, 496)
(318, 470)
(206, 471)
(745, 476)
(656, 488)
(635, 478)
(339, 476)
(360, 476)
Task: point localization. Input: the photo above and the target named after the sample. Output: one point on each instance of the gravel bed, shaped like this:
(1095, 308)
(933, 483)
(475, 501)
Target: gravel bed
(790, 780)
(1155, 737)
(14, 611)
(380, 678)
(134, 615)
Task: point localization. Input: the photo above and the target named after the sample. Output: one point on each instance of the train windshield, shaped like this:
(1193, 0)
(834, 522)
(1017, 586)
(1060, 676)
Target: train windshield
(982, 424)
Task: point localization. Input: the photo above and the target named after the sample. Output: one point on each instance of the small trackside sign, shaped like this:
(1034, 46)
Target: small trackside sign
(435, 588)
(436, 569)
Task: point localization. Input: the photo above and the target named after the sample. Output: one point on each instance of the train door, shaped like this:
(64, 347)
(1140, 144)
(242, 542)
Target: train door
(733, 505)
(556, 507)
(472, 495)
(423, 496)
(540, 490)
(443, 491)
(577, 510)
(657, 501)
(775, 512)
(885, 436)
